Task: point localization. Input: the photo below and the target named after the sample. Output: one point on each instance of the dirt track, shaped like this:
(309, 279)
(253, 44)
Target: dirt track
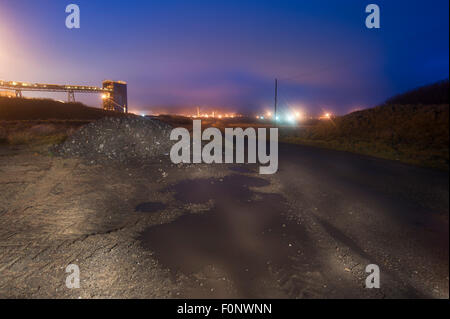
(166, 231)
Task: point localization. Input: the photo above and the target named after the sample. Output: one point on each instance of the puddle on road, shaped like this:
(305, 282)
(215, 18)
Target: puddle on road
(240, 236)
(230, 188)
(149, 207)
(240, 169)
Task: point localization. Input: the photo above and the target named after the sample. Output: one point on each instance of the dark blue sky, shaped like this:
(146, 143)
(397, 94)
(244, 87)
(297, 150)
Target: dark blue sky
(183, 53)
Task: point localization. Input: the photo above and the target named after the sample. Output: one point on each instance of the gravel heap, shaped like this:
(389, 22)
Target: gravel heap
(124, 139)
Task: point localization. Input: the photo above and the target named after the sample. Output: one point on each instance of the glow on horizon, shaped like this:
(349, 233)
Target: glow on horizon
(208, 64)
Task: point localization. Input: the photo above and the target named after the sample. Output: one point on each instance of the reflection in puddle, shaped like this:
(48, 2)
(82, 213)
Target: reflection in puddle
(240, 169)
(240, 235)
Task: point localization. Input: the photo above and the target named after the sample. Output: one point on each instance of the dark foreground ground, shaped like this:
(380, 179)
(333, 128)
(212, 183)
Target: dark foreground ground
(202, 231)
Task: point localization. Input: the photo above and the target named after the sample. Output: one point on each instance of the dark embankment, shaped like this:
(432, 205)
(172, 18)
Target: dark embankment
(43, 121)
(413, 133)
(432, 94)
(12, 109)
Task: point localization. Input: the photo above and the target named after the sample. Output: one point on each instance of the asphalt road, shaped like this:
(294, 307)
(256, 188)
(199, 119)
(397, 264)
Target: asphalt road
(310, 230)
(218, 231)
(378, 211)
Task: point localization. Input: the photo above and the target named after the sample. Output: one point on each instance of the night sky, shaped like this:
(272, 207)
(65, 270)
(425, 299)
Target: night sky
(214, 53)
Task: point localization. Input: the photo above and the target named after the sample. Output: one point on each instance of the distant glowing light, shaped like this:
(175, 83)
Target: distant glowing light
(326, 116)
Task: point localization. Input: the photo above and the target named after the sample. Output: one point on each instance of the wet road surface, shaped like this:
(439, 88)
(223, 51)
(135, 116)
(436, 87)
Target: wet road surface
(310, 230)
(217, 231)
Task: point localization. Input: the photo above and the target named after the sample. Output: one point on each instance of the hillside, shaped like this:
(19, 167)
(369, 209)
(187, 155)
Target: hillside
(12, 109)
(432, 94)
(412, 133)
(39, 121)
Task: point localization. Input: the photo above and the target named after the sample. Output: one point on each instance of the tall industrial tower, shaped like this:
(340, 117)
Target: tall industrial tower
(116, 99)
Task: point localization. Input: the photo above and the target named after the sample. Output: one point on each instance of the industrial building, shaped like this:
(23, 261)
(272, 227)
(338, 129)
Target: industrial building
(116, 98)
(114, 93)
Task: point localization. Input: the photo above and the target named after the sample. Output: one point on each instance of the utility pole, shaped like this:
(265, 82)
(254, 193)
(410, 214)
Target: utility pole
(276, 99)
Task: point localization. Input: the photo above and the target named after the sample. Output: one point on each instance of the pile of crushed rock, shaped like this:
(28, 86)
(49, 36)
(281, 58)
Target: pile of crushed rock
(125, 139)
